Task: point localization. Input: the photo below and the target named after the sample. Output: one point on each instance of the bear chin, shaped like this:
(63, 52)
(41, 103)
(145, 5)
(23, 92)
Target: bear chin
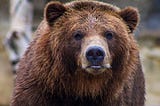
(96, 71)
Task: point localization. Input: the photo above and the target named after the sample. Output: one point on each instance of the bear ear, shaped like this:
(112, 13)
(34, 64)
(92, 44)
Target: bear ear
(53, 10)
(131, 16)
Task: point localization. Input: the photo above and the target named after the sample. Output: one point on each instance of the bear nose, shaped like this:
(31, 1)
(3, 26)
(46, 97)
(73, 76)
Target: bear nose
(95, 55)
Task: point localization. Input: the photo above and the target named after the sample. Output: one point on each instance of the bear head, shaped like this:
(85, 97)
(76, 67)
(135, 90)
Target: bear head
(91, 47)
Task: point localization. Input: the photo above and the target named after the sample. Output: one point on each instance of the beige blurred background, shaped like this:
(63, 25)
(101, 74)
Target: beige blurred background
(147, 34)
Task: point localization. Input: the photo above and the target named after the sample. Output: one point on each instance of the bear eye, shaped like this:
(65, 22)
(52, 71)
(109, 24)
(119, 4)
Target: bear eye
(78, 35)
(109, 35)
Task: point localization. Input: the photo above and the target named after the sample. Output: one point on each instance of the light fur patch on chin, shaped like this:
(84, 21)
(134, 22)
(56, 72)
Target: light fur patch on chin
(95, 72)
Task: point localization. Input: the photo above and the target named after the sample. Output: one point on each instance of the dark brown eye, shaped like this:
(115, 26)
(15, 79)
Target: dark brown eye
(109, 35)
(78, 35)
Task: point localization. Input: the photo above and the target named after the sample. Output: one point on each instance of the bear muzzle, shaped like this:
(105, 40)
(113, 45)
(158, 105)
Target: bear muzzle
(95, 56)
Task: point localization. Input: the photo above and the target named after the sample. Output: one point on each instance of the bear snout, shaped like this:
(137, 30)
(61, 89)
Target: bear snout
(95, 56)
(96, 59)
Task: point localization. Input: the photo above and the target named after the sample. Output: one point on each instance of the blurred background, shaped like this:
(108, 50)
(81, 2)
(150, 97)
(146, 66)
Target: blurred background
(20, 18)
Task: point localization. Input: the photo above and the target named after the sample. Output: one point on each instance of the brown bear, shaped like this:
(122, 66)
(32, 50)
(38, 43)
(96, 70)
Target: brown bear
(84, 54)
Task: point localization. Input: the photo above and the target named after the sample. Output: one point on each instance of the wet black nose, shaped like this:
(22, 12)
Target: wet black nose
(95, 55)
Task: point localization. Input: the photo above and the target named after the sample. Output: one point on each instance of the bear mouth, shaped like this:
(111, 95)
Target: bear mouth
(97, 69)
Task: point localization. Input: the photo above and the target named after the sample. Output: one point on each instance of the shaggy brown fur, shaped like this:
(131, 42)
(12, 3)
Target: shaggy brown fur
(50, 72)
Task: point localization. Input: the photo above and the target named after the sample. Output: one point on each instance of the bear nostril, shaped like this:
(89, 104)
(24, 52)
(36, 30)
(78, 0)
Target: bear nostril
(99, 53)
(90, 53)
(95, 55)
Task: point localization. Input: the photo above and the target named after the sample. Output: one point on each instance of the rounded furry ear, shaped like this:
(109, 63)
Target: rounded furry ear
(131, 16)
(53, 10)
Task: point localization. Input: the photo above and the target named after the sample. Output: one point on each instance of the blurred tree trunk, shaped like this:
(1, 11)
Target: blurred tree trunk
(21, 15)
(20, 33)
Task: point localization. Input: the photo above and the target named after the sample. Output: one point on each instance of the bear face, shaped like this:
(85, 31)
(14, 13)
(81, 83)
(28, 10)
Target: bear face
(83, 24)
(92, 43)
